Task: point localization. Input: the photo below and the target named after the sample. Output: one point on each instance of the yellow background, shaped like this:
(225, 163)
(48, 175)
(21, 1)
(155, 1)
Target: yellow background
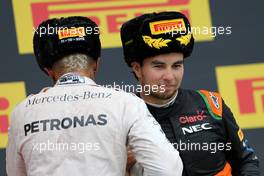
(199, 12)
(14, 92)
(226, 77)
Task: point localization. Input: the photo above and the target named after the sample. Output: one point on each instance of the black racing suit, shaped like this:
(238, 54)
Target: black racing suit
(208, 142)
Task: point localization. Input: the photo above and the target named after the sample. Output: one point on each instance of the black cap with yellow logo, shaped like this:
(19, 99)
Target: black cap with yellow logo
(156, 33)
(58, 37)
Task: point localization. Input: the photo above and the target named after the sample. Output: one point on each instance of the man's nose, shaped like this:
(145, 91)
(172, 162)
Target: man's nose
(168, 74)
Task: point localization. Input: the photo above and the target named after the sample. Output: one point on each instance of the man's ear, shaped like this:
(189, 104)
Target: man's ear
(96, 66)
(51, 74)
(136, 67)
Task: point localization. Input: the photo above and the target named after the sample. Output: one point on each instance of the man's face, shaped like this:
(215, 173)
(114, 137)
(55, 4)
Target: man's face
(164, 70)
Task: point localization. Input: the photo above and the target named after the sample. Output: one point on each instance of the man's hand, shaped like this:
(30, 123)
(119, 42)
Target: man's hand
(130, 159)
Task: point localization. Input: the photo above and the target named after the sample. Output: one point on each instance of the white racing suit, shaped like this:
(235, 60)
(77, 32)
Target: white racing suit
(78, 128)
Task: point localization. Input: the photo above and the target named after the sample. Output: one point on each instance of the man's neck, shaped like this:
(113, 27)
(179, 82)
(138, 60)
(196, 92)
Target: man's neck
(157, 102)
(81, 73)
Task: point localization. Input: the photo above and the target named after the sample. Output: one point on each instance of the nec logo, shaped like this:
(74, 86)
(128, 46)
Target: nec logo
(196, 128)
(4, 105)
(246, 88)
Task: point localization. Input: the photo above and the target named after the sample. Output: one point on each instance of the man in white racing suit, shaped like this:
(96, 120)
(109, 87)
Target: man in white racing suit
(77, 127)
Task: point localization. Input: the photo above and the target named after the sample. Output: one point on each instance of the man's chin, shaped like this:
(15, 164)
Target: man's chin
(163, 95)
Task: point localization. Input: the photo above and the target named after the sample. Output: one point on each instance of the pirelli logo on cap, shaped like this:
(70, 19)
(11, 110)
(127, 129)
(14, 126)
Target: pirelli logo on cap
(165, 26)
(73, 32)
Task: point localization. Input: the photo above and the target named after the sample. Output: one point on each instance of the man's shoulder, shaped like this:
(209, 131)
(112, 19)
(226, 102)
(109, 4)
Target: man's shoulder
(22, 104)
(198, 96)
(190, 93)
(198, 92)
(116, 91)
(212, 100)
(120, 94)
(19, 110)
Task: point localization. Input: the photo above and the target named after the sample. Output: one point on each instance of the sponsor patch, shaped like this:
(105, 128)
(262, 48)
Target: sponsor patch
(186, 119)
(166, 26)
(65, 123)
(73, 32)
(240, 134)
(196, 128)
(70, 79)
(213, 102)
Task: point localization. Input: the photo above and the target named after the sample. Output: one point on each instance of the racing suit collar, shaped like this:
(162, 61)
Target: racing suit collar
(74, 78)
(166, 104)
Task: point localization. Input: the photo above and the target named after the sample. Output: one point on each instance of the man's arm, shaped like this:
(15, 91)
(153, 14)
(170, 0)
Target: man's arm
(15, 165)
(241, 156)
(151, 148)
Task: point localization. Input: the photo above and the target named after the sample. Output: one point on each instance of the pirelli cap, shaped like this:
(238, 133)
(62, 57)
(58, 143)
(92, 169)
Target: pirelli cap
(59, 37)
(156, 33)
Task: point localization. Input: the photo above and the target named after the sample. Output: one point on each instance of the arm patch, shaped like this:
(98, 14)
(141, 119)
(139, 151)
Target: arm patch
(214, 103)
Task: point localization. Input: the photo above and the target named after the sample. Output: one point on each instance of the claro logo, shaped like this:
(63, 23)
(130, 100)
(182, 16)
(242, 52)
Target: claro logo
(193, 118)
(10, 95)
(108, 14)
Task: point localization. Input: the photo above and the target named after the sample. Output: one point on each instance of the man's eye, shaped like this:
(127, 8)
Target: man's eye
(177, 66)
(158, 66)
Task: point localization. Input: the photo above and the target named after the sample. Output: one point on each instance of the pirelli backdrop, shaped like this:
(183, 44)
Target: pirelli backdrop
(228, 56)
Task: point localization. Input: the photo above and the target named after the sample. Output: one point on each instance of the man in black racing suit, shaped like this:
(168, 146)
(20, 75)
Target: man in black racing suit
(210, 142)
(198, 123)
